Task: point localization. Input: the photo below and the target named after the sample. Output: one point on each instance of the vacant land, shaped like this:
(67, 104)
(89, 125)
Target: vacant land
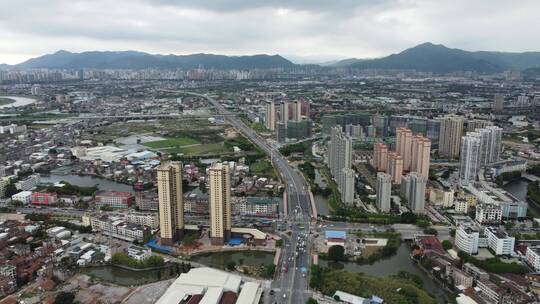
(172, 143)
(5, 101)
(200, 149)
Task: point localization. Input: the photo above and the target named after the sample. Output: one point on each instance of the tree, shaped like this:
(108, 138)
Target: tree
(312, 301)
(430, 231)
(64, 298)
(279, 243)
(231, 265)
(336, 253)
(446, 244)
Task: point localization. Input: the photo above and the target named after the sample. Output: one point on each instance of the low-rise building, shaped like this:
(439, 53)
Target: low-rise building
(499, 241)
(443, 198)
(467, 239)
(44, 198)
(532, 256)
(117, 227)
(114, 199)
(489, 291)
(138, 253)
(28, 183)
(488, 214)
(256, 206)
(24, 196)
(144, 218)
(462, 278)
(461, 206)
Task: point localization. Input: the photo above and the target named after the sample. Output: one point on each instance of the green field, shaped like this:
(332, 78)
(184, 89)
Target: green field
(5, 101)
(263, 168)
(202, 149)
(172, 142)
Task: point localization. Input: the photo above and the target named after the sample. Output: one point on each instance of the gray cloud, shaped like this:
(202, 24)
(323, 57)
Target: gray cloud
(342, 28)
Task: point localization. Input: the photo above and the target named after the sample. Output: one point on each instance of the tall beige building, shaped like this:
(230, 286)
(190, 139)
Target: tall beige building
(285, 112)
(404, 146)
(450, 136)
(421, 149)
(270, 119)
(498, 102)
(380, 157)
(395, 167)
(297, 113)
(220, 203)
(171, 204)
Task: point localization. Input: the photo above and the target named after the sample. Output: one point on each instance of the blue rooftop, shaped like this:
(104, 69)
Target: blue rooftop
(155, 246)
(235, 242)
(336, 234)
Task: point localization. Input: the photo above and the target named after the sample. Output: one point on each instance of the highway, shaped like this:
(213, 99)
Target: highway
(290, 286)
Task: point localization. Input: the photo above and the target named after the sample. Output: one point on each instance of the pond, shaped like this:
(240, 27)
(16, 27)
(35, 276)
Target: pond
(390, 266)
(518, 188)
(88, 181)
(247, 258)
(127, 277)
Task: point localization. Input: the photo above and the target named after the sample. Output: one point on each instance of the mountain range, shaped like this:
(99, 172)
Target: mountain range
(139, 60)
(437, 58)
(426, 57)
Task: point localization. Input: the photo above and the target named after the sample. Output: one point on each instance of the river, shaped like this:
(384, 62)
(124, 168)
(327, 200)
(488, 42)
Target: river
(19, 101)
(88, 181)
(390, 266)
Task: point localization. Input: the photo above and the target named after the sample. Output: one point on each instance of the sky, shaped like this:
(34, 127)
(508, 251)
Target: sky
(304, 31)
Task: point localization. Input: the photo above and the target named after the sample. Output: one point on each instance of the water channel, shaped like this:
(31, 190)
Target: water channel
(321, 202)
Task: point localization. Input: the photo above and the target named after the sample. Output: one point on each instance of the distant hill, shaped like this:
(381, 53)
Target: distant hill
(428, 57)
(138, 60)
(531, 73)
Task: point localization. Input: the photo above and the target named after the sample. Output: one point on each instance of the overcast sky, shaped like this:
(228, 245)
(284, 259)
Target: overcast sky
(320, 29)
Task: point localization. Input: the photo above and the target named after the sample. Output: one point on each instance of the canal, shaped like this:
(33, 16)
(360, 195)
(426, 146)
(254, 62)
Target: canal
(390, 266)
(320, 201)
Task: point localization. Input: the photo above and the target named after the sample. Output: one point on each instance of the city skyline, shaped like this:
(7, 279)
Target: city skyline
(301, 31)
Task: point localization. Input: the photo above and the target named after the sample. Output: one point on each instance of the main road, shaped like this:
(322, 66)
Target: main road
(291, 286)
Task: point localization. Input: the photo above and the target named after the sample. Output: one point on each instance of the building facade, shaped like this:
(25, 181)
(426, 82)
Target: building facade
(220, 203)
(171, 205)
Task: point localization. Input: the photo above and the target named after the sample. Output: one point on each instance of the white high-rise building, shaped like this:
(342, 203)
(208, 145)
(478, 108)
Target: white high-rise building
(469, 157)
(413, 189)
(450, 135)
(270, 119)
(347, 186)
(339, 158)
(220, 203)
(171, 204)
(490, 146)
(384, 189)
